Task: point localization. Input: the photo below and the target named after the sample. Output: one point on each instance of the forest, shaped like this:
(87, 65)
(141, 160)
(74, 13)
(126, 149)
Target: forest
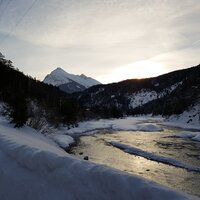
(27, 98)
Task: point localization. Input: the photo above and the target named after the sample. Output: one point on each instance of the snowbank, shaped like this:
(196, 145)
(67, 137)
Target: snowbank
(64, 141)
(125, 124)
(191, 135)
(196, 138)
(33, 167)
(149, 127)
(189, 119)
(151, 156)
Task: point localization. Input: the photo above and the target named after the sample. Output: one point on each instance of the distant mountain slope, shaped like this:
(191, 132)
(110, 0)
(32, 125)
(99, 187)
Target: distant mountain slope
(167, 94)
(69, 82)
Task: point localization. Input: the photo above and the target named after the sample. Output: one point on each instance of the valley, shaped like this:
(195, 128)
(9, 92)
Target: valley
(140, 135)
(99, 100)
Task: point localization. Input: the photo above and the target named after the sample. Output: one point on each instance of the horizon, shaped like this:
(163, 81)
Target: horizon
(123, 79)
(108, 82)
(109, 41)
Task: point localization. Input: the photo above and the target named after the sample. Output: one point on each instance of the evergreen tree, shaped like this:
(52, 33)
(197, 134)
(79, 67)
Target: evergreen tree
(18, 110)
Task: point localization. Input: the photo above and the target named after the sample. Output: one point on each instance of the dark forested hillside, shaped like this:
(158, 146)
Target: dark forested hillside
(167, 94)
(20, 92)
(185, 95)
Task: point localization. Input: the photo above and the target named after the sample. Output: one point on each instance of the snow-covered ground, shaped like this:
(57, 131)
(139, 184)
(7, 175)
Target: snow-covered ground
(190, 135)
(151, 156)
(63, 141)
(146, 123)
(189, 119)
(144, 96)
(141, 123)
(34, 167)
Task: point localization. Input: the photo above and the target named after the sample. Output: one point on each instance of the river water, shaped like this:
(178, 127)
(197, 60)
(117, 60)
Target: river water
(98, 149)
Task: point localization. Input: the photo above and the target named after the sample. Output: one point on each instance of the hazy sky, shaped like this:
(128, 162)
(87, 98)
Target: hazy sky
(110, 40)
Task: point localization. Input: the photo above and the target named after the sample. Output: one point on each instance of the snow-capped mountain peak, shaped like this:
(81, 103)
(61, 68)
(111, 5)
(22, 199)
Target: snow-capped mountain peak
(57, 77)
(72, 82)
(83, 76)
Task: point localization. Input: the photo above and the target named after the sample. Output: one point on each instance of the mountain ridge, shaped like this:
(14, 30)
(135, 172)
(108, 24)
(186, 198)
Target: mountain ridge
(69, 82)
(167, 94)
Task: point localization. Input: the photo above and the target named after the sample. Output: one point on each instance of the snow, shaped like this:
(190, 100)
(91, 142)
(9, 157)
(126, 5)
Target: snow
(189, 119)
(146, 123)
(173, 87)
(59, 77)
(149, 127)
(190, 135)
(151, 156)
(98, 91)
(144, 96)
(34, 167)
(137, 127)
(112, 96)
(185, 134)
(196, 138)
(64, 141)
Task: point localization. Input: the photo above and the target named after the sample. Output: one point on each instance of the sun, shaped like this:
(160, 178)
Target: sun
(141, 69)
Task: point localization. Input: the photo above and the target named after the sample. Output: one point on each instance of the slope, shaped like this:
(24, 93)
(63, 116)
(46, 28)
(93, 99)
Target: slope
(69, 82)
(24, 95)
(158, 95)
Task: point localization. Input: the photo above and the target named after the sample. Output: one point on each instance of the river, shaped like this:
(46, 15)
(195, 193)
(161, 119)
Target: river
(99, 150)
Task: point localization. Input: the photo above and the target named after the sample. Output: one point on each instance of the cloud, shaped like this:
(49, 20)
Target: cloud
(62, 23)
(96, 37)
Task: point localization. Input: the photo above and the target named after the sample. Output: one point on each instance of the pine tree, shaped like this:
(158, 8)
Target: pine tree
(18, 110)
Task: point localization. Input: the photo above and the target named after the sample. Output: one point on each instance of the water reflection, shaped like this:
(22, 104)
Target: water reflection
(160, 143)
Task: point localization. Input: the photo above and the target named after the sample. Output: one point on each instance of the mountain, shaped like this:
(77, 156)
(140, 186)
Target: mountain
(69, 82)
(168, 94)
(28, 101)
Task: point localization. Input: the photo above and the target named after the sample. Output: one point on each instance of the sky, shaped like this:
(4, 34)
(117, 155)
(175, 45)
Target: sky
(109, 40)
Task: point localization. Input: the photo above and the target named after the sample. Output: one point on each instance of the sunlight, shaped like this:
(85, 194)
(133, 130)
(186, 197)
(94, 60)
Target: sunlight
(141, 69)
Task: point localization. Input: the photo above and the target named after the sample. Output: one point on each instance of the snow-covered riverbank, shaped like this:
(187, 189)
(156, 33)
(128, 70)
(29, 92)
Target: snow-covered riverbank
(34, 167)
(126, 124)
(142, 123)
